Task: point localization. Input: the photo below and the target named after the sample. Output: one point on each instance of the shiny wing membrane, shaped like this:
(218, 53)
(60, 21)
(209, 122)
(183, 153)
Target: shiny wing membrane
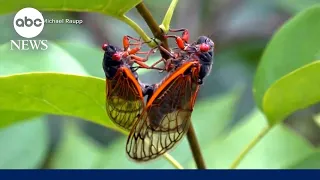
(166, 117)
(124, 98)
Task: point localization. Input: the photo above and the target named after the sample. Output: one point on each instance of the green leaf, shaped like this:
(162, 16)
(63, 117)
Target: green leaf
(296, 90)
(24, 145)
(210, 119)
(279, 148)
(9, 117)
(108, 7)
(54, 59)
(53, 93)
(296, 5)
(310, 162)
(293, 46)
(89, 57)
(75, 150)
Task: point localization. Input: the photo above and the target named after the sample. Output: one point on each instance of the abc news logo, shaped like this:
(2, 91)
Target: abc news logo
(28, 23)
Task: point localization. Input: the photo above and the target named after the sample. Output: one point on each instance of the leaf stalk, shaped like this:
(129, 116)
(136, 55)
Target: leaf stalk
(250, 146)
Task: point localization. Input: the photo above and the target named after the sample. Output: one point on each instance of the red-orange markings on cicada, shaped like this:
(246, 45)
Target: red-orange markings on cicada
(124, 91)
(166, 117)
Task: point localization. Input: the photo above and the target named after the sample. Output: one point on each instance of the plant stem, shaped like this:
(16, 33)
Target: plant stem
(165, 25)
(174, 162)
(247, 149)
(195, 148)
(154, 27)
(137, 28)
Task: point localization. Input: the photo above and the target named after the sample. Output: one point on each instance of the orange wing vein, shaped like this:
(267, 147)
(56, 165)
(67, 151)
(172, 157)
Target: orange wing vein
(166, 117)
(124, 98)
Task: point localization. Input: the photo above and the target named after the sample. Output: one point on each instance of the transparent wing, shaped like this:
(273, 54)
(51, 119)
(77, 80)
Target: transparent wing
(165, 119)
(124, 98)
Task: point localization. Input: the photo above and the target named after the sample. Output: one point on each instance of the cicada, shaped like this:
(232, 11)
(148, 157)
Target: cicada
(124, 91)
(166, 117)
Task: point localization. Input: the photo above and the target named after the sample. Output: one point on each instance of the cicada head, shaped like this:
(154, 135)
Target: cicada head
(111, 52)
(206, 55)
(205, 48)
(205, 44)
(111, 59)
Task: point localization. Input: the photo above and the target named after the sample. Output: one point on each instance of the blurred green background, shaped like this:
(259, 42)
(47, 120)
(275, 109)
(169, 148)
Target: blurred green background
(240, 30)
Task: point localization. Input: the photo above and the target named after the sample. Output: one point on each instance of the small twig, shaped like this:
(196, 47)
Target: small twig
(174, 162)
(165, 25)
(195, 148)
(154, 27)
(247, 149)
(137, 28)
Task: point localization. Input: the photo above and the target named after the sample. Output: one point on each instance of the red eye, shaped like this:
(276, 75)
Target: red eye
(104, 46)
(204, 47)
(116, 57)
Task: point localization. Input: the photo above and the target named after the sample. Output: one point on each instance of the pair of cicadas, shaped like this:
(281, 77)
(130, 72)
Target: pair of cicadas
(157, 125)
